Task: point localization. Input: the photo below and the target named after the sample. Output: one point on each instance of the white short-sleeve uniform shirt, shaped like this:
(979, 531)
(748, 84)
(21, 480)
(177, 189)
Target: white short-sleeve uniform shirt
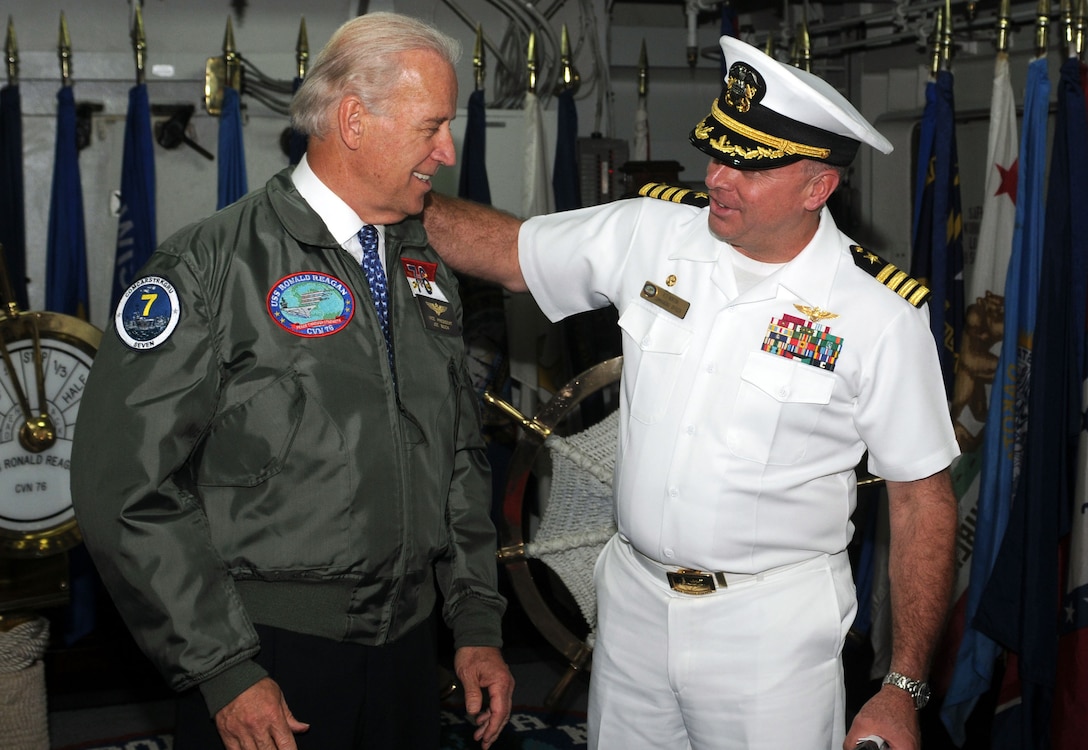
(731, 454)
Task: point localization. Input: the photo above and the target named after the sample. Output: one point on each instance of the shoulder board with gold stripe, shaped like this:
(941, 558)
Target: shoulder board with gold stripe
(675, 194)
(891, 276)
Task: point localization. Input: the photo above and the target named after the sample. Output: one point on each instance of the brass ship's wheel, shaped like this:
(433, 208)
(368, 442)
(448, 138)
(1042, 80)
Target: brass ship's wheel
(533, 583)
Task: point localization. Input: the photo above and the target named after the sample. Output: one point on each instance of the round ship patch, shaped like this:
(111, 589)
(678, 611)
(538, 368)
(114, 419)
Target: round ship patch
(147, 313)
(311, 304)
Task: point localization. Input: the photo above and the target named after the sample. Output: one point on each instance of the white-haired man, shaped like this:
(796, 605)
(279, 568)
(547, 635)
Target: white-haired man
(279, 456)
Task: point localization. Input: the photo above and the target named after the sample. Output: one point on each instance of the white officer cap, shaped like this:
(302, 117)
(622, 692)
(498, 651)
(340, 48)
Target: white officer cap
(770, 115)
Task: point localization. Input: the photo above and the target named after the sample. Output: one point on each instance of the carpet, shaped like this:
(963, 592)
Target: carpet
(529, 729)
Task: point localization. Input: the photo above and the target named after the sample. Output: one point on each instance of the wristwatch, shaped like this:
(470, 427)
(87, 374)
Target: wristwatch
(917, 689)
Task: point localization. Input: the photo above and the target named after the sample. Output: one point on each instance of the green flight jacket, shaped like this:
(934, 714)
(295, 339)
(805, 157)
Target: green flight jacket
(240, 473)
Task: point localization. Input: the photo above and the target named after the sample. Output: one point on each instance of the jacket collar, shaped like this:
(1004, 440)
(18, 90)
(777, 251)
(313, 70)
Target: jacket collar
(305, 225)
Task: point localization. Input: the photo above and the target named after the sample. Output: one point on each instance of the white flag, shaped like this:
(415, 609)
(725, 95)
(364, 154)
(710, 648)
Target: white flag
(985, 300)
(536, 194)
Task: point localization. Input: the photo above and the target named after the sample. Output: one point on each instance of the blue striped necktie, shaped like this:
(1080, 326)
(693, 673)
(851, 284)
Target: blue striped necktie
(375, 276)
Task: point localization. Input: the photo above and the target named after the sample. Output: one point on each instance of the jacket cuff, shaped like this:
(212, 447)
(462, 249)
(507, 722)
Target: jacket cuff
(220, 690)
(477, 622)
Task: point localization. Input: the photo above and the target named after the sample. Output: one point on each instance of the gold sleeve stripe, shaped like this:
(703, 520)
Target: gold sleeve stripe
(673, 194)
(891, 276)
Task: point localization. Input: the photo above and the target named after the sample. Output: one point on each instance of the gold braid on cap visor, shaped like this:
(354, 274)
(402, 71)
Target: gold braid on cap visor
(779, 147)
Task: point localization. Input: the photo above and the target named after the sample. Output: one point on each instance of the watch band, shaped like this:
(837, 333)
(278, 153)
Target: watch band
(916, 689)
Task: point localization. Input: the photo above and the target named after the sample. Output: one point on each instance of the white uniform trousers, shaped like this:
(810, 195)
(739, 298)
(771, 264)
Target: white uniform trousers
(756, 665)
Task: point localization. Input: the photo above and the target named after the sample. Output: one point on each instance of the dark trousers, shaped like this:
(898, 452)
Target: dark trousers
(353, 697)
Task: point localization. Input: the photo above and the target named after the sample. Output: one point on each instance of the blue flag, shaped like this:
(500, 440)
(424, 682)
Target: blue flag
(66, 244)
(1019, 608)
(565, 183)
(1007, 416)
(730, 26)
(12, 202)
(1071, 689)
(473, 183)
(136, 230)
(937, 253)
(232, 155)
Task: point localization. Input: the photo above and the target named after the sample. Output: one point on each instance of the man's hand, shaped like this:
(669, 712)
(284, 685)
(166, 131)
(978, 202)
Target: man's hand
(259, 719)
(481, 668)
(891, 715)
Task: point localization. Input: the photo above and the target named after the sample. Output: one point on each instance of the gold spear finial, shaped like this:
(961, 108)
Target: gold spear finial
(768, 48)
(230, 57)
(139, 43)
(479, 59)
(1004, 24)
(804, 47)
(1080, 22)
(1042, 27)
(11, 52)
(946, 37)
(530, 62)
(935, 63)
(1065, 18)
(643, 71)
(569, 78)
(302, 48)
(64, 52)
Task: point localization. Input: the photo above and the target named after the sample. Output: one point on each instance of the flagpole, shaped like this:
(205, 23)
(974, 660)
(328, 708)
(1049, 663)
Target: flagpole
(139, 44)
(946, 46)
(12, 199)
(569, 79)
(1065, 16)
(1079, 22)
(11, 52)
(230, 58)
(479, 59)
(302, 49)
(530, 62)
(64, 52)
(803, 48)
(1042, 27)
(1004, 24)
(643, 71)
(640, 147)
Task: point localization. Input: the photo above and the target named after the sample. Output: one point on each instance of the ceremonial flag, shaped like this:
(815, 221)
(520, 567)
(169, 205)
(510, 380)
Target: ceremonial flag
(1071, 689)
(536, 198)
(473, 183)
(528, 329)
(232, 156)
(955, 674)
(136, 230)
(568, 191)
(1019, 608)
(66, 243)
(12, 203)
(730, 26)
(937, 255)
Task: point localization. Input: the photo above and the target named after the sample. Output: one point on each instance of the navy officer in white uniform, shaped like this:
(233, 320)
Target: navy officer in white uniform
(764, 353)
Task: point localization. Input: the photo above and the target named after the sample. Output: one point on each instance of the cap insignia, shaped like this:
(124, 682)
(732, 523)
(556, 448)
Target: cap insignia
(742, 87)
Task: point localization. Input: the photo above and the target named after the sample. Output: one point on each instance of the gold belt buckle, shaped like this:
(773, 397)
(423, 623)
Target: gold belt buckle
(692, 582)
